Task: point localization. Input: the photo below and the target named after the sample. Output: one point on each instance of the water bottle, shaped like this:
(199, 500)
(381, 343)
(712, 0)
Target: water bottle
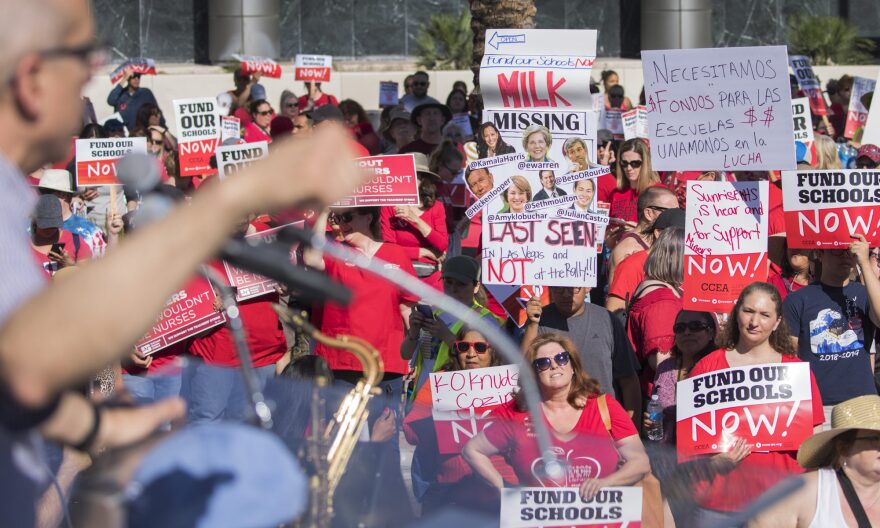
(655, 417)
(847, 154)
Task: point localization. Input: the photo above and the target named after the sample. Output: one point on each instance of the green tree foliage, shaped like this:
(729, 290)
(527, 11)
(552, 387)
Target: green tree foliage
(827, 41)
(444, 42)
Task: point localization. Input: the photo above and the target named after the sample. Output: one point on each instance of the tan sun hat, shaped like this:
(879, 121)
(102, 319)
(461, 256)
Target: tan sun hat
(422, 166)
(862, 412)
(56, 180)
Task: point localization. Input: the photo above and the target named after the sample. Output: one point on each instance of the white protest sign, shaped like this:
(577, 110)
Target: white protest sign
(388, 93)
(719, 108)
(635, 123)
(613, 122)
(198, 127)
(313, 68)
(552, 507)
(464, 123)
(230, 128)
(233, 158)
(96, 158)
(857, 114)
(872, 126)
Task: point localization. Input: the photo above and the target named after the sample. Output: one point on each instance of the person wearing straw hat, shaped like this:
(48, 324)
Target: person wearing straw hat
(845, 491)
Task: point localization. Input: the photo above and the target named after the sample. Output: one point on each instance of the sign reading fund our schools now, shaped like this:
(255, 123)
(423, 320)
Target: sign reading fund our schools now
(96, 158)
(312, 68)
(769, 405)
(823, 209)
(725, 242)
(186, 313)
(393, 182)
(463, 401)
(549, 252)
(719, 108)
(617, 507)
(233, 158)
(198, 128)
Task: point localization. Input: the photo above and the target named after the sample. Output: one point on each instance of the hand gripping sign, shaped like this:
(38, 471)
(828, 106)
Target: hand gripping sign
(96, 158)
(823, 209)
(725, 242)
(140, 65)
(463, 401)
(394, 182)
(188, 312)
(769, 405)
(313, 68)
(198, 127)
(618, 507)
(262, 65)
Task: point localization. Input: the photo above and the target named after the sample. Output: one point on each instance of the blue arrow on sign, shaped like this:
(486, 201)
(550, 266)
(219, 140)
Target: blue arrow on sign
(497, 40)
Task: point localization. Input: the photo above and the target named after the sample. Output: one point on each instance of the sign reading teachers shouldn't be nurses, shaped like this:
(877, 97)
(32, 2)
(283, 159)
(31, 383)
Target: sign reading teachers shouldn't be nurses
(719, 108)
(725, 242)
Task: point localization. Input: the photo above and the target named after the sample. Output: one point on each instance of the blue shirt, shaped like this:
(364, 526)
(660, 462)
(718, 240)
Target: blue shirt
(128, 104)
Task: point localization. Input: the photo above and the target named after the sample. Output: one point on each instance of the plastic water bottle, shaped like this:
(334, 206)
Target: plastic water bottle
(847, 155)
(655, 416)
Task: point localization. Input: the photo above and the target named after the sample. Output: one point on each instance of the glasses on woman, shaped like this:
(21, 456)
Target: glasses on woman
(542, 364)
(155, 141)
(636, 164)
(342, 218)
(480, 347)
(265, 113)
(693, 326)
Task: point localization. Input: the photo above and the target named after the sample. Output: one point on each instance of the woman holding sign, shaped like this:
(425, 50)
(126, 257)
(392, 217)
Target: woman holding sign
(756, 334)
(596, 435)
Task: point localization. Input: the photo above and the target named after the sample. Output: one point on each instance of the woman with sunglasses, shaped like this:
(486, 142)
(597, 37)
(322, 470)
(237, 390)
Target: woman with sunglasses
(261, 120)
(755, 334)
(589, 430)
(633, 176)
(449, 479)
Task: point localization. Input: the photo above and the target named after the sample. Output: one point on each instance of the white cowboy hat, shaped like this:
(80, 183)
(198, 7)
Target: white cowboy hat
(56, 180)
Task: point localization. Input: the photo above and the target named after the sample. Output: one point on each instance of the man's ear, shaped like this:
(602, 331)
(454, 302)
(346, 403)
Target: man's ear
(26, 89)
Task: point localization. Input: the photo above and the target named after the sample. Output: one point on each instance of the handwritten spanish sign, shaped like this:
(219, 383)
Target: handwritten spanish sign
(198, 131)
(719, 108)
(549, 507)
(393, 182)
(769, 405)
(313, 68)
(725, 242)
(96, 158)
(233, 158)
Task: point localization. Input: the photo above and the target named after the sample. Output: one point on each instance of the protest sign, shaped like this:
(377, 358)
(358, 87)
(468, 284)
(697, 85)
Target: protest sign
(617, 507)
(463, 401)
(388, 94)
(198, 132)
(823, 209)
(769, 405)
(230, 128)
(809, 83)
(262, 65)
(537, 68)
(139, 65)
(96, 158)
(394, 182)
(635, 123)
(549, 252)
(233, 158)
(249, 285)
(313, 68)
(802, 121)
(186, 313)
(725, 242)
(872, 127)
(613, 122)
(857, 114)
(514, 299)
(719, 108)
(464, 123)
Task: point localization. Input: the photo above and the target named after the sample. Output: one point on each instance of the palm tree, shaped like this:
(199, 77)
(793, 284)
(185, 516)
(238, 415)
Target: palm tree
(486, 14)
(444, 41)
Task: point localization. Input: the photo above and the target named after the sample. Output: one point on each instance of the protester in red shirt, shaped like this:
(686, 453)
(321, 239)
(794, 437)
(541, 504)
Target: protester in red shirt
(634, 175)
(651, 203)
(600, 444)
(359, 124)
(47, 231)
(261, 119)
(755, 334)
(315, 98)
(795, 274)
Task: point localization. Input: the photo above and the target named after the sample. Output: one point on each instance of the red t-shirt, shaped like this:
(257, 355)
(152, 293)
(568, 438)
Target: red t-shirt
(649, 326)
(783, 285)
(265, 337)
(64, 237)
(776, 218)
(591, 453)
(253, 134)
(404, 234)
(624, 203)
(372, 315)
(628, 274)
(325, 99)
(757, 472)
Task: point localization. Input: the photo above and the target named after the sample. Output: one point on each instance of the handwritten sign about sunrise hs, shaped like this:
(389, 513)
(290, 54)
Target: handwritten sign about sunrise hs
(724, 108)
(725, 242)
(141, 65)
(198, 132)
(463, 402)
(187, 312)
(550, 252)
(233, 158)
(249, 285)
(313, 68)
(809, 83)
(823, 209)
(393, 182)
(538, 68)
(262, 65)
(548, 507)
(96, 158)
(802, 120)
(769, 405)
(857, 114)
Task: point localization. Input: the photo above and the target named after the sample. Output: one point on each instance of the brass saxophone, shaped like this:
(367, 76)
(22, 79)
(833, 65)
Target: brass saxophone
(330, 446)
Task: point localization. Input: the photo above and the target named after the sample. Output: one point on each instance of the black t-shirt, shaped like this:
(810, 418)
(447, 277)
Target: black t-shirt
(834, 331)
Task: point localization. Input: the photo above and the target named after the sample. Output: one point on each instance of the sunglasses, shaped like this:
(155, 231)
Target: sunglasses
(265, 113)
(420, 83)
(659, 208)
(342, 218)
(155, 141)
(480, 347)
(693, 326)
(636, 164)
(542, 364)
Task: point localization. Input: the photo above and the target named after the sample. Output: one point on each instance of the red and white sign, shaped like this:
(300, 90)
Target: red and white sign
(809, 83)
(230, 128)
(186, 313)
(857, 114)
(635, 123)
(198, 132)
(139, 65)
(233, 158)
(394, 182)
(725, 242)
(514, 299)
(823, 209)
(262, 65)
(768, 405)
(96, 158)
(463, 401)
(612, 507)
(313, 68)
(249, 285)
